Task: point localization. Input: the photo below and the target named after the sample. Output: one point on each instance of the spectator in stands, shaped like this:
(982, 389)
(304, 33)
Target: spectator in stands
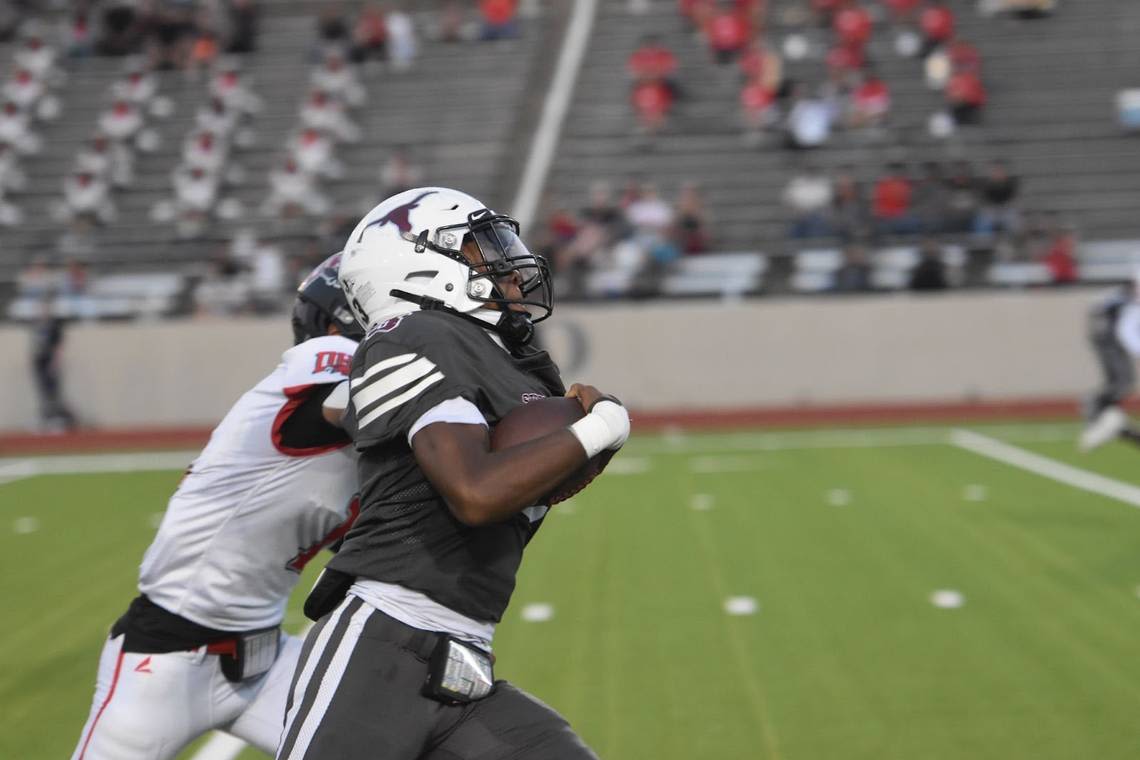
(843, 62)
(16, 131)
(337, 79)
(293, 192)
(930, 272)
(652, 101)
(122, 122)
(204, 150)
(451, 22)
(195, 194)
(36, 56)
(370, 35)
(852, 25)
(109, 160)
(139, 86)
(692, 224)
(332, 24)
(652, 60)
(499, 19)
(230, 87)
(759, 109)
(87, 199)
(810, 120)
(244, 18)
(12, 177)
(854, 274)
(314, 153)
(848, 205)
(327, 115)
(604, 213)
(402, 42)
(650, 217)
(965, 96)
(215, 117)
(998, 191)
(170, 42)
(809, 196)
(223, 291)
(727, 33)
(120, 27)
(936, 22)
(10, 213)
(203, 50)
(891, 206)
(24, 89)
(78, 35)
(1061, 256)
(400, 173)
(762, 62)
(870, 102)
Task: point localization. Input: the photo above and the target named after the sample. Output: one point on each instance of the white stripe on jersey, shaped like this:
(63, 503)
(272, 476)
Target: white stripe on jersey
(395, 361)
(383, 386)
(392, 403)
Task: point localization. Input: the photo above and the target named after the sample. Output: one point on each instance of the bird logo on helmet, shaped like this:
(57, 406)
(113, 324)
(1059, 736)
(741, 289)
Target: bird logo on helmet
(438, 248)
(321, 302)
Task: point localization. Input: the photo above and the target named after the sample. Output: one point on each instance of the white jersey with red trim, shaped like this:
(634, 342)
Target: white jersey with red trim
(251, 511)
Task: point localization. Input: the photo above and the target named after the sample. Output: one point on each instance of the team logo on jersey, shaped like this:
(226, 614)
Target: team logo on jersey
(397, 216)
(529, 397)
(333, 362)
(387, 326)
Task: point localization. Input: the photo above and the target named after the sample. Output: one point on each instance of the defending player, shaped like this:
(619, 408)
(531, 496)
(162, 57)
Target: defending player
(201, 648)
(401, 667)
(1114, 332)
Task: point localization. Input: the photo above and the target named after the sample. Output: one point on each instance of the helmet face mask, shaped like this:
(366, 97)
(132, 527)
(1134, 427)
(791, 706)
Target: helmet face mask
(440, 248)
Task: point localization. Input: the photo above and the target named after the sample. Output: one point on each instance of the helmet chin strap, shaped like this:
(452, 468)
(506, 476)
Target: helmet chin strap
(514, 327)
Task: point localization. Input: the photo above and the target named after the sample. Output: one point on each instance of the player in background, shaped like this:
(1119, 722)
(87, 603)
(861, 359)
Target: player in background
(399, 666)
(201, 648)
(1114, 332)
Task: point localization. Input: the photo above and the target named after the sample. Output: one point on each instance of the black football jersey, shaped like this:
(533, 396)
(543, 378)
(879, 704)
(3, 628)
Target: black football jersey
(405, 533)
(1104, 315)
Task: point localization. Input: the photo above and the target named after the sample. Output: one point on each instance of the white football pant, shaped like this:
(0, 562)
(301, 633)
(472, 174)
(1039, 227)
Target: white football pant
(150, 706)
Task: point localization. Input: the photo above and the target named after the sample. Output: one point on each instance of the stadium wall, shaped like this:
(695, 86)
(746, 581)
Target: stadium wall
(661, 358)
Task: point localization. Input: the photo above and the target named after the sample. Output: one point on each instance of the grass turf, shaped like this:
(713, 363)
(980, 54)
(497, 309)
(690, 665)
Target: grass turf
(845, 658)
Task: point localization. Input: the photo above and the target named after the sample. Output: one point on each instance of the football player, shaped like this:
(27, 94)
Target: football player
(400, 664)
(201, 647)
(1114, 332)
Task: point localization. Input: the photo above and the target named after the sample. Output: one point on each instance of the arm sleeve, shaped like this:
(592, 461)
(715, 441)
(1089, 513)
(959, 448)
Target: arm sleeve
(456, 410)
(305, 428)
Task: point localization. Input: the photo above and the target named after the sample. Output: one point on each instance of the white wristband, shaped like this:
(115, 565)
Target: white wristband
(606, 427)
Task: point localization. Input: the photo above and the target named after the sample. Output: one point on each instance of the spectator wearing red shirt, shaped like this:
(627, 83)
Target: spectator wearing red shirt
(842, 61)
(652, 102)
(1061, 257)
(499, 21)
(964, 57)
(937, 25)
(758, 108)
(762, 62)
(652, 60)
(870, 102)
(966, 96)
(727, 33)
(891, 203)
(852, 25)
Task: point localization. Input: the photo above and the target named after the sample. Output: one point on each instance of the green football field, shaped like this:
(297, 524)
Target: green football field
(806, 595)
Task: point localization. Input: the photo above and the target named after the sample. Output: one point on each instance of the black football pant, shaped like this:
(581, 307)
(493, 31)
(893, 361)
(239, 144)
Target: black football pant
(356, 696)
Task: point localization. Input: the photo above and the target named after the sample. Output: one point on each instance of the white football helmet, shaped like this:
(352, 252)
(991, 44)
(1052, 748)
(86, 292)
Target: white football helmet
(437, 248)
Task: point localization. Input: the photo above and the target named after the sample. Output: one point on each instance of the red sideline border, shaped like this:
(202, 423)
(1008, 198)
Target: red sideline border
(721, 419)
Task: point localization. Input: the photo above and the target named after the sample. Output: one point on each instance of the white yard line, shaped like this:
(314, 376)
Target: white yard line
(1046, 467)
(14, 469)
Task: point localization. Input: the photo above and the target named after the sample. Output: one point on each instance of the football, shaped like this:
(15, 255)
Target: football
(538, 418)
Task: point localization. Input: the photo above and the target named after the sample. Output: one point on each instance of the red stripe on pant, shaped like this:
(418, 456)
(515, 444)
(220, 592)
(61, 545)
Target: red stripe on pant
(102, 707)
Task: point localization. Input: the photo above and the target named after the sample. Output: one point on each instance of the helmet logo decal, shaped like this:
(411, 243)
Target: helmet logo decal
(398, 216)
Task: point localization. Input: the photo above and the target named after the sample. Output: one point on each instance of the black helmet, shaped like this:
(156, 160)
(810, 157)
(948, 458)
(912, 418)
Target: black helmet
(320, 303)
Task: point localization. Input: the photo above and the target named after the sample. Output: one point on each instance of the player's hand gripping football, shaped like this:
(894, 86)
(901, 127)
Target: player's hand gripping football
(606, 424)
